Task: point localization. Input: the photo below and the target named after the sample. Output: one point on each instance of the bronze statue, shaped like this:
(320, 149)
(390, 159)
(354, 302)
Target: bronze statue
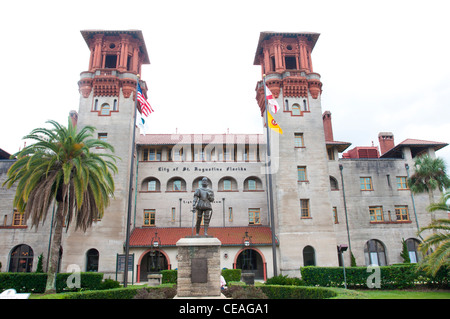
(203, 197)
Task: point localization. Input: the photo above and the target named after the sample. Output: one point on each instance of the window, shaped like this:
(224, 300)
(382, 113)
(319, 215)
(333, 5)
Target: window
(18, 219)
(92, 256)
(251, 185)
(110, 61)
(298, 140)
(151, 154)
(149, 217)
(413, 247)
(402, 182)
(366, 183)
(333, 184)
(173, 213)
(105, 109)
(401, 212)
(376, 214)
(21, 259)
(178, 155)
(230, 214)
(227, 185)
(176, 185)
(301, 173)
(374, 253)
(254, 216)
(151, 186)
(290, 63)
(330, 152)
(309, 256)
(296, 109)
(304, 208)
(103, 137)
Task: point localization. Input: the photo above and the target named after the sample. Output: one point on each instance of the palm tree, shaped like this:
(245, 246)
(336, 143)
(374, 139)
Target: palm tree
(430, 174)
(439, 241)
(61, 167)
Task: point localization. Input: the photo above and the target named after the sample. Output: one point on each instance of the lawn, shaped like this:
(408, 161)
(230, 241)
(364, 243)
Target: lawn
(407, 294)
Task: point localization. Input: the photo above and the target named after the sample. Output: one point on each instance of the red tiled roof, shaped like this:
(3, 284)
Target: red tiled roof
(168, 139)
(229, 236)
(412, 141)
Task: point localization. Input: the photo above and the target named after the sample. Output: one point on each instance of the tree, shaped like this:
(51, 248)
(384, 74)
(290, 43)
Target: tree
(439, 240)
(430, 174)
(404, 253)
(61, 167)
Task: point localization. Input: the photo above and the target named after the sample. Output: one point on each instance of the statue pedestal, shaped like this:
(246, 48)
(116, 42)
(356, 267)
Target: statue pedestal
(198, 267)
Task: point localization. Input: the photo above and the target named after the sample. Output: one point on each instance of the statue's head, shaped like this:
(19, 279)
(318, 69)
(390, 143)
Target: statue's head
(204, 182)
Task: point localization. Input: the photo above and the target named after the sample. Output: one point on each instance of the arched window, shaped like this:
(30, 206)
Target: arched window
(92, 257)
(21, 259)
(197, 183)
(105, 109)
(151, 184)
(253, 183)
(309, 256)
(176, 184)
(334, 184)
(296, 109)
(228, 184)
(374, 253)
(412, 245)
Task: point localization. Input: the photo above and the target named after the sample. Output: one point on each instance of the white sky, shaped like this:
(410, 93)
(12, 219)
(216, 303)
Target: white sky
(384, 65)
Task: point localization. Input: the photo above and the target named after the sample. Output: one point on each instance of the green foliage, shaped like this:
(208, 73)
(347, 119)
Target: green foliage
(39, 268)
(248, 292)
(391, 277)
(231, 274)
(109, 284)
(284, 280)
(169, 276)
(296, 292)
(35, 282)
(404, 254)
(353, 260)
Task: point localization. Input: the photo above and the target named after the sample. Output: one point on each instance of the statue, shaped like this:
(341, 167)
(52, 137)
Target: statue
(203, 197)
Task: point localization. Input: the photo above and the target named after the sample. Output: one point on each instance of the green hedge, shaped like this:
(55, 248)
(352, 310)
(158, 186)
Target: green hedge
(391, 277)
(231, 275)
(35, 282)
(169, 276)
(296, 292)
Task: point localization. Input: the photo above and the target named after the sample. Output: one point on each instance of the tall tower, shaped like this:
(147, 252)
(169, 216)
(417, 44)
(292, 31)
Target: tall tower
(107, 102)
(303, 211)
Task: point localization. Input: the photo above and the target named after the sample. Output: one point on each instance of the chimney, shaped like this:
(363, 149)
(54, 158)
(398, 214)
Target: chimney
(386, 141)
(74, 117)
(327, 127)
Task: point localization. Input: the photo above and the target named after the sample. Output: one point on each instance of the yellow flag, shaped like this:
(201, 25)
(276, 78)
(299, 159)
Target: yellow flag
(273, 124)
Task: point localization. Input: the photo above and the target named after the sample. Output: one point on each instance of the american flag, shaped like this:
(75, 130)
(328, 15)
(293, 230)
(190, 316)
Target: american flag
(146, 108)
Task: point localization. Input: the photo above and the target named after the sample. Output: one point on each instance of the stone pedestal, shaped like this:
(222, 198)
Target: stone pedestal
(198, 267)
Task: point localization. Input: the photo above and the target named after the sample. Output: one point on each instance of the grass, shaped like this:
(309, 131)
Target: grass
(407, 294)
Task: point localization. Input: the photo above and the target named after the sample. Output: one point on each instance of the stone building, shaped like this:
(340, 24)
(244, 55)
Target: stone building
(323, 193)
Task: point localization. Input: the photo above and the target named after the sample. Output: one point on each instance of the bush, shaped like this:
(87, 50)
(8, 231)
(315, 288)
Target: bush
(231, 275)
(169, 276)
(248, 292)
(109, 284)
(391, 277)
(284, 280)
(297, 292)
(35, 282)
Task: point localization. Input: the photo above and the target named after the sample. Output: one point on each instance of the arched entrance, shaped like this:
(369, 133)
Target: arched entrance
(21, 259)
(152, 262)
(250, 260)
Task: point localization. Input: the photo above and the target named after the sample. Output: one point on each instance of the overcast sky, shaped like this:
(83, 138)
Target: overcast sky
(384, 65)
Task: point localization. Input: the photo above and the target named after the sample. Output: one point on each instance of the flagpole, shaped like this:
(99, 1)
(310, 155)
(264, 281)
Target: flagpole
(269, 163)
(130, 192)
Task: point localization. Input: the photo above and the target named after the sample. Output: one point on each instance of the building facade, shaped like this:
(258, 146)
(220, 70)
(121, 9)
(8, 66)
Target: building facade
(323, 194)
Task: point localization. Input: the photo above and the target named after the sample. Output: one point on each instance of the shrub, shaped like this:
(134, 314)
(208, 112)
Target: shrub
(109, 284)
(169, 276)
(248, 292)
(391, 277)
(284, 280)
(231, 274)
(297, 292)
(35, 282)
